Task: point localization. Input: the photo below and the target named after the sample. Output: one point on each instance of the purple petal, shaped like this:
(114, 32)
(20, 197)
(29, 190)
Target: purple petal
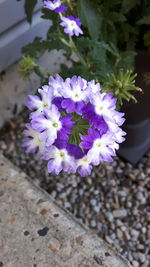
(52, 167)
(69, 105)
(61, 9)
(37, 123)
(75, 151)
(87, 140)
(57, 102)
(85, 171)
(77, 20)
(67, 123)
(88, 111)
(98, 122)
(79, 107)
(31, 101)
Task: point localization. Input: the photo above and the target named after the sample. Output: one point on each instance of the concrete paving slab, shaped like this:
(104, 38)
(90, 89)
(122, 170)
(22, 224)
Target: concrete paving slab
(36, 232)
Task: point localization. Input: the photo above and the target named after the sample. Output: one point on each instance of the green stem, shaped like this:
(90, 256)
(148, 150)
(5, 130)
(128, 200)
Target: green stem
(69, 4)
(65, 42)
(74, 48)
(46, 71)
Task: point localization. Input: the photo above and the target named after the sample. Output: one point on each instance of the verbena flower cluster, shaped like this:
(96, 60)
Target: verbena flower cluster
(71, 24)
(73, 125)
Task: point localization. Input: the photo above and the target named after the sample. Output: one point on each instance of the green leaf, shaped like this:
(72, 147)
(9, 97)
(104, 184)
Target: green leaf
(29, 7)
(116, 17)
(147, 38)
(38, 46)
(122, 84)
(126, 60)
(127, 5)
(90, 17)
(114, 49)
(144, 20)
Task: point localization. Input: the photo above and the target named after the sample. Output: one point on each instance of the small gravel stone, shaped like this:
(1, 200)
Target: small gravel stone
(119, 213)
(114, 199)
(143, 230)
(109, 216)
(119, 233)
(93, 223)
(134, 233)
(135, 263)
(109, 240)
(97, 209)
(141, 257)
(93, 202)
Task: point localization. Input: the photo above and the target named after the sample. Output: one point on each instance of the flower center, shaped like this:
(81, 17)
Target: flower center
(73, 24)
(98, 143)
(99, 110)
(45, 105)
(55, 124)
(62, 154)
(55, 5)
(80, 128)
(85, 159)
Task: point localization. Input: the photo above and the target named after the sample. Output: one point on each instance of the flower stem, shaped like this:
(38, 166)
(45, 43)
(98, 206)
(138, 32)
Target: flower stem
(69, 4)
(46, 71)
(74, 48)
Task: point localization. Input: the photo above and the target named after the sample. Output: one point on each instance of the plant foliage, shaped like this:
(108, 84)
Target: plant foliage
(113, 31)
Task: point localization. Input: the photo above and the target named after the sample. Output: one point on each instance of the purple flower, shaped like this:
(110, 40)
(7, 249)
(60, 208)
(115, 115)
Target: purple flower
(104, 104)
(74, 92)
(97, 121)
(32, 142)
(60, 160)
(87, 140)
(84, 168)
(48, 125)
(55, 5)
(55, 84)
(52, 5)
(93, 87)
(71, 25)
(101, 150)
(39, 103)
(73, 125)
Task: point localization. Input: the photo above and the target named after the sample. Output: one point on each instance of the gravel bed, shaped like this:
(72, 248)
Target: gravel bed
(114, 200)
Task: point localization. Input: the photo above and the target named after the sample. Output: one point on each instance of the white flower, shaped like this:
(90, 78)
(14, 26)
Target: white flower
(48, 125)
(52, 5)
(60, 159)
(101, 150)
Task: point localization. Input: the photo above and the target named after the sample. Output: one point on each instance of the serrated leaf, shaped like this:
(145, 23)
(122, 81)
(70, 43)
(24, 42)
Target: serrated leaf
(29, 7)
(144, 20)
(126, 59)
(90, 17)
(127, 5)
(116, 17)
(114, 49)
(38, 46)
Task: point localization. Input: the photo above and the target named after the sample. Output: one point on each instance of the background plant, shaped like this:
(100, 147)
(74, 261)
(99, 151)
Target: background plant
(113, 32)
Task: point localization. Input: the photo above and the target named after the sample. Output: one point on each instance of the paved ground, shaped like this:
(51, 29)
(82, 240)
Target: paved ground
(35, 232)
